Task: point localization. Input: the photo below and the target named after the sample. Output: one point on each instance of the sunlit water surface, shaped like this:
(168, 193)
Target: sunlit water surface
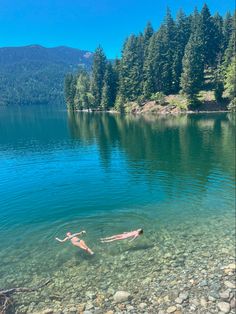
(172, 176)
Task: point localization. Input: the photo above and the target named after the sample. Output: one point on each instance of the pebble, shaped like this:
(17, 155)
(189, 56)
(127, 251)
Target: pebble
(224, 307)
(229, 284)
(142, 305)
(233, 303)
(171, 309)
(121, 296)
(47, 311)
(225, 295)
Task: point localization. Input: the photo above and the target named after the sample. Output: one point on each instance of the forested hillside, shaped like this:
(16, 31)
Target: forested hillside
(35, 74)
(191, 56)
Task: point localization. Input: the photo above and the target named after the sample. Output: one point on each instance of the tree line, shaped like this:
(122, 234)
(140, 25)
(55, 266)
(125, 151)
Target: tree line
(173, 59)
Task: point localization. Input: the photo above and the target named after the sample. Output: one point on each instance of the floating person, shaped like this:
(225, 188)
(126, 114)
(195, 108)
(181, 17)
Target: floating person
(76, 241)
(132, 234)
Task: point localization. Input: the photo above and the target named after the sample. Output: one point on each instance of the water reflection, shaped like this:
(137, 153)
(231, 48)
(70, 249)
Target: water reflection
(186, 144)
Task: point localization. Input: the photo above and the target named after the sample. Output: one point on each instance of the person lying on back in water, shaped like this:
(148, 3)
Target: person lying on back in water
(132, 234)
(76, 241)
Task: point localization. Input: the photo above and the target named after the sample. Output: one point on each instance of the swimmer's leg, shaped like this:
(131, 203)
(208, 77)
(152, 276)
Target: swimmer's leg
(81, 244)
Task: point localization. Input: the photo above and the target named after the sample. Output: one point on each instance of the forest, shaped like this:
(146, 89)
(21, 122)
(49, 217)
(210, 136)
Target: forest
(191, 56)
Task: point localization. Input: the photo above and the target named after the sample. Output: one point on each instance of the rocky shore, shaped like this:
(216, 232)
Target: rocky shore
(190, 269)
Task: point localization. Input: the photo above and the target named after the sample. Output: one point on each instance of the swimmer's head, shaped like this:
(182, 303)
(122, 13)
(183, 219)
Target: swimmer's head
(68, 234)
(140, 231)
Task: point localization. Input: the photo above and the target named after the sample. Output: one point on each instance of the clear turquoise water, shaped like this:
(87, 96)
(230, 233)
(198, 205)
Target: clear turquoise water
(59, 172)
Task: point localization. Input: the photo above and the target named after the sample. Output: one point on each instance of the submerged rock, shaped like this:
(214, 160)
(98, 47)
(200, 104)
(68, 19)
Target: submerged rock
(121, 296)
(171, 309)
(224, 307)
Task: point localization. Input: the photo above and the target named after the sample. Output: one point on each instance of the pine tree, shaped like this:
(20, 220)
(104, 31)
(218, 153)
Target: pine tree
(147, 34)
(98, 72)
(207, 36)
(169, 44)
(109, 88)
(193, 66)
(70, 90)
(230, 51)
(218, 38)
(227, 29)
(230, 83)
(131, 68)
(182, 37)
(83, 97)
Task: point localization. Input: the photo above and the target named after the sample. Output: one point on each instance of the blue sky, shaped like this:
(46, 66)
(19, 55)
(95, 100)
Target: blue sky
(85, 24)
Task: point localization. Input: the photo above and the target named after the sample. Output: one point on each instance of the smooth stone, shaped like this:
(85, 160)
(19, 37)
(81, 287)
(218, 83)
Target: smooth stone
(89, 306)
(184, 296)
(171, 309)
(179, 300)
(224, 307)
(203, 283)
(225, 295)
(233, 303)
(203, 302)
(48, 311)
(231, 266)
(142, 305)
(229, 284)
(121, 296)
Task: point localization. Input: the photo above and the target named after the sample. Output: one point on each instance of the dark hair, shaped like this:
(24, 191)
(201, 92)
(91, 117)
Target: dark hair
(141, 231)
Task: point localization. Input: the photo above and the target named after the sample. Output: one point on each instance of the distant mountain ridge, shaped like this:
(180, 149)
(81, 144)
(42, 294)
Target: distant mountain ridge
(35, 74)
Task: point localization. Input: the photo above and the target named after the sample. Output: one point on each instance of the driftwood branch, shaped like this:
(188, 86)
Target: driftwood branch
(5, 295)
(23, 289)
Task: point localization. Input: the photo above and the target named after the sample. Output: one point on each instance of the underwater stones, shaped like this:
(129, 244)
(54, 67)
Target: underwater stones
(48, 311)
(229, 284)
(171, 309)
(224, 307)
(121, 296)
(225, 295)
(142, 305)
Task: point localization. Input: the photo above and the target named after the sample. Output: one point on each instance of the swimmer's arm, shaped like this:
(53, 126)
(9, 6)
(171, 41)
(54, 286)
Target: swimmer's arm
(64, 240)
(133, 238)
(78, 233)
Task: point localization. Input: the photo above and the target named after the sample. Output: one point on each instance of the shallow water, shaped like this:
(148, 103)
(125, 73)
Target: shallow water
(59, 171)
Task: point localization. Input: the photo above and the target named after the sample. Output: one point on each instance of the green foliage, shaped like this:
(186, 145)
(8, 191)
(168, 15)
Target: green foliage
(109, 88)
(131, 68)
(35, 74)
(98, 72)
(182, 54)
(232, 105)
(159, 98)
(83, 98)
(193, 66)
(230, 79)
(70, 90)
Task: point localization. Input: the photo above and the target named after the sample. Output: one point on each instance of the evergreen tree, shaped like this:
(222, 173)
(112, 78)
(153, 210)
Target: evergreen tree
(169, 44)
(70, 90)
(109, 88)
(193, 66)
(230, 51)
(98, 72)
(182, 37)
(83, 97)
(230, 83)
(148, 32)
(227, 29)
(149, 85)
(207, 36)
(131, 68)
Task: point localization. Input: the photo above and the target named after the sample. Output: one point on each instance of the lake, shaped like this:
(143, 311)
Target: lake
(173, 176)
